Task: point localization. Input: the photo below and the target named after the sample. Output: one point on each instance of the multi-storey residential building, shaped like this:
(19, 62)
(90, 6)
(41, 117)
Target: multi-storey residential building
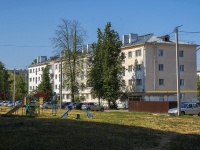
(150, 66)
(54, 63)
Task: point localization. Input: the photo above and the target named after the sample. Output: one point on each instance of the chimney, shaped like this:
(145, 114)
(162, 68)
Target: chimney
(125, 39)
(133, 37)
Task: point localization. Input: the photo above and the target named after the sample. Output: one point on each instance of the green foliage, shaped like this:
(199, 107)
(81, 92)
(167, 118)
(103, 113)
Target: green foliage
(45, 85)
(105, 75)
(21, 87)
(4, 82)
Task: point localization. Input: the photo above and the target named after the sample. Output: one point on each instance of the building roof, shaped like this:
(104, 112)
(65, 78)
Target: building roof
(151, 38)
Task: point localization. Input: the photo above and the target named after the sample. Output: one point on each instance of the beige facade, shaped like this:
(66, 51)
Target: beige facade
(153, 64)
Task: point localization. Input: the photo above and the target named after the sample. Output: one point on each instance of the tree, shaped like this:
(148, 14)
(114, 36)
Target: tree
(94, 79)
(69, 38)
(21, 87)
(4, 83)
(45, 85)
(105, 75)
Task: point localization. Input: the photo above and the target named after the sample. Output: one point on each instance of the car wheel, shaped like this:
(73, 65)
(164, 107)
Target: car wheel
(199, 114)
(101, 109)
(182, 113)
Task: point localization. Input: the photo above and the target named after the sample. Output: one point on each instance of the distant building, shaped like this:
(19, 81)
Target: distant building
(22, 73)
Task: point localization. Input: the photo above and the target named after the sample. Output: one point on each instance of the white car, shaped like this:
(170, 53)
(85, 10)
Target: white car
(187, 108)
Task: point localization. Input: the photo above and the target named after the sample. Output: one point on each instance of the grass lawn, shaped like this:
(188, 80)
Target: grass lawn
(114, 130)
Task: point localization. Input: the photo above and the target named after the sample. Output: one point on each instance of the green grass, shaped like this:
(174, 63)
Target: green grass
(108, 130)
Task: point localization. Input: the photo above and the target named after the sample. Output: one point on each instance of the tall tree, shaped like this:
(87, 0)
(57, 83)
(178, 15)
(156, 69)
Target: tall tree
(4, 83)
(21, 87)
(45, 85)
(106, 70)
(69, 38)
(94, 79)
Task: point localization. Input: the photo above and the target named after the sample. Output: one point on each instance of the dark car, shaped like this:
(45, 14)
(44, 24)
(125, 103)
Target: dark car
(65, 104)
(68, 105)
(78, 105)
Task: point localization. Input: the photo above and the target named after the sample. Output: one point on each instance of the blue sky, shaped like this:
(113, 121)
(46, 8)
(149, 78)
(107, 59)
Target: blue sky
(26, 26)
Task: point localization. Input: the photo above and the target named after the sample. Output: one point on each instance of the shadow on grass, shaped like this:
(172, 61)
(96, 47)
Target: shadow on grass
(53, 133)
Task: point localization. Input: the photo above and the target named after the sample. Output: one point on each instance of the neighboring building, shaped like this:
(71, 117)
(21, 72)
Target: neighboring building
(22, 73)
(150, 66)
(54, 63)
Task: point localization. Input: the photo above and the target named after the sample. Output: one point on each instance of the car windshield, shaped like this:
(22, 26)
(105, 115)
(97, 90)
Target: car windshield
(184, 105)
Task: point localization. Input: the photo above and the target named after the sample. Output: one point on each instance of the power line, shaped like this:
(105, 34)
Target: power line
(9, 45)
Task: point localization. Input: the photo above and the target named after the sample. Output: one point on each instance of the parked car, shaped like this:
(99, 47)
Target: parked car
(78, 105)
(18, 103)
(10, 104)
(187, 108)
(49, 105)
(65, 105)
(4, 103)
(92, 106)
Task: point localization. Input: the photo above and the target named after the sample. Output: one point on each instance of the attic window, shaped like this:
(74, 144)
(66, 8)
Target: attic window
(165, 38)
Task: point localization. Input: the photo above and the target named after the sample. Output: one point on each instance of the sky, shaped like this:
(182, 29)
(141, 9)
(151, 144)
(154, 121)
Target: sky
(27, 26)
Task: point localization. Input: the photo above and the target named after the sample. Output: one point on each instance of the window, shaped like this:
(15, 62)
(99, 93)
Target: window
(68, 96)
(33, 70)
(36, 71)
(123, 71)
(129, 54)
(123, 55)
(30, 87)
(182, 82)
(93, 96)
(161, 81)
(33, 79)
(123, 83)
(56, 87)
(38, 78)
(182, 96)
(138, 81)
(59, 77)
(130, 82)
(138, 67)
(181, 54)
(181, 68)
(138, 53)
(130, 68)
(56, 76)
(30, 70)
(30, 79)
(56, 67)
(161, 67)
(160, 52)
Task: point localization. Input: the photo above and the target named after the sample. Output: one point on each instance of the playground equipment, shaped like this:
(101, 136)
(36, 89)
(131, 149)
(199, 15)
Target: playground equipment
(88, 115)
(65, 114)
(31, 106)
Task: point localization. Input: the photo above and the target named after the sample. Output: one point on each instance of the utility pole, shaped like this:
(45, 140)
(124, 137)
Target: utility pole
(177, 71)
(14, 90)
(61, 80)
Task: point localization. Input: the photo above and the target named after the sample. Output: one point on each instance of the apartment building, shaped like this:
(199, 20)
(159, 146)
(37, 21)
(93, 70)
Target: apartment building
(150, 66)
(54, 63)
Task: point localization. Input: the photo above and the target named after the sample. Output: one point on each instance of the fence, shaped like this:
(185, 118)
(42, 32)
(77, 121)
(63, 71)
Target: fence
(151, 106)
